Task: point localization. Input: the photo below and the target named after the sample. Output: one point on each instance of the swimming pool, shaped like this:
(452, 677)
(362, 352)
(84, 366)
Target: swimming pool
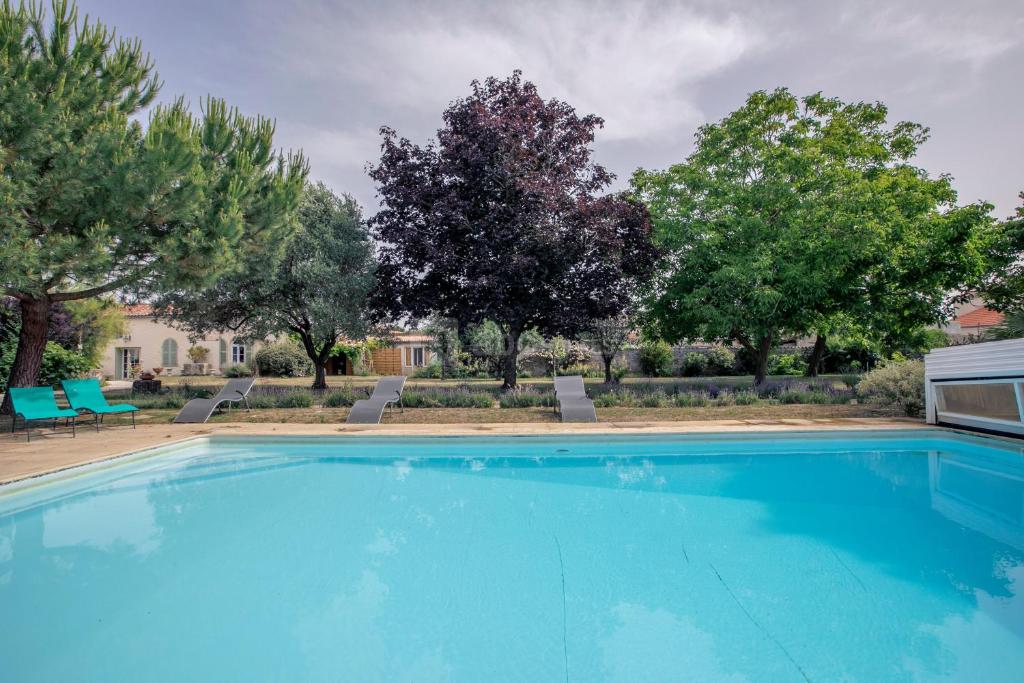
(845, 556)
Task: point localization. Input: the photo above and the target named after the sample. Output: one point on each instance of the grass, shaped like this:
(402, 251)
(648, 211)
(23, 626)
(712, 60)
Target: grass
(539, 414)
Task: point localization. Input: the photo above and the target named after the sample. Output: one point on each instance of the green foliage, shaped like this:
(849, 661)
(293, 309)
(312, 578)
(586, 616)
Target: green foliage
(58, 363)
(792, 210)
(898, 385)
(431, 370)
(92, 200)
(787, 364)
(295, 399)
(446, 345)
(563, 355)
(315, 286)
(694, 364)
(619, 371)
(745, 398)
(526, 398)
(1005, 287)
(721, 361)
(656, 359)
(447, 399)
(1012, 327)
(851, 380)
(607, 337)
(169, 400)
(486, 344)
(239, 370)
(340, 398)
(99, 322)
(283, 359)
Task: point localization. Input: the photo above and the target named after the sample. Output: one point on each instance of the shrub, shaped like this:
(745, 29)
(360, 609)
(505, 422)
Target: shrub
(771, 389)
(447, 399)
(618, 398)
(656, 359)
(787, 364)
(721, 361)
(694, 364)
(240, 370)
(525, 398)
(168, 400)
(262, 399)
(745, 398)
(692, 400)
(59, 363)
(198, 354)
(430, 371)
(655, 400)
(896, 385)
(283, 359)
(852, 379)
(619, 371)
(340, 398)
(295, 399)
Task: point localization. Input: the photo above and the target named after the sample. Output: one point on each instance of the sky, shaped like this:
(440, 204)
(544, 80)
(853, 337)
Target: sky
(332, 73)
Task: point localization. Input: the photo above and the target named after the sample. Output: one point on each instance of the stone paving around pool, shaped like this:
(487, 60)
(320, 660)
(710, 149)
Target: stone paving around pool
(52, 452)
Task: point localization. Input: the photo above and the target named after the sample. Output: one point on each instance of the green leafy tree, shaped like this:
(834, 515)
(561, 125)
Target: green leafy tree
(1012, 327)
(791, 211)
(1004, 290)
(315, 288)
(92, 201)
(445, 343)
(486, 341)
(608, 336)
(97, 322)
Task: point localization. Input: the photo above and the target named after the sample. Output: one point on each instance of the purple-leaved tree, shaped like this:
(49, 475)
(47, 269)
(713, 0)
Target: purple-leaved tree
(502, 218)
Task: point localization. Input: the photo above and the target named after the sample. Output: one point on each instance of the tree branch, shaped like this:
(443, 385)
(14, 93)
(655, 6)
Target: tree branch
(90, 292)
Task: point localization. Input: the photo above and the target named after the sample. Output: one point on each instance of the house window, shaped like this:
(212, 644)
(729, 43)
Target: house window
(169, 353)
(417, 357)
(237, 353)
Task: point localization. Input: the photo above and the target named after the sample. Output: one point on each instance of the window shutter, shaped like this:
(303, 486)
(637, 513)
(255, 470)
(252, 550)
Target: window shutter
(408, 356)
(118, 363)
(223, 353)
(169, 353)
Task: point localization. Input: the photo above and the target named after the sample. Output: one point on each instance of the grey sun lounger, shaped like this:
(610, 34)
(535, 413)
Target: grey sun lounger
(573, 404)
(387, 392)
(200, 409)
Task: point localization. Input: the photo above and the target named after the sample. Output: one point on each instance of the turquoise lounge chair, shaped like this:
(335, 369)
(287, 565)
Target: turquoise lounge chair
(38, 403)
(85, 394)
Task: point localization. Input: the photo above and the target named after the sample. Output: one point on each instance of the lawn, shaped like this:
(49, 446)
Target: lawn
(481, 415)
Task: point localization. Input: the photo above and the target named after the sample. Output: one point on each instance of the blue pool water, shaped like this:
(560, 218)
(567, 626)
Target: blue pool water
(880, 557)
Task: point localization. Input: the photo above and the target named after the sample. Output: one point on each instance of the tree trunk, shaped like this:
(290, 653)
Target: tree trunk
(608, 367)
(35, 320)
(509, 361)
(817, 355)
(320, 364)
(763, 351)
(320, 379)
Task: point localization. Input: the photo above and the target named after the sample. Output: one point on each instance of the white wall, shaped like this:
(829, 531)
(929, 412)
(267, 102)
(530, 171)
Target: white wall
(148, 335)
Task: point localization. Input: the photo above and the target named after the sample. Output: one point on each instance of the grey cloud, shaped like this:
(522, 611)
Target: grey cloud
(331, 73)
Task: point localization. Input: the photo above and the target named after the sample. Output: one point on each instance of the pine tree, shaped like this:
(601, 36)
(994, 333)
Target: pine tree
(92, 201)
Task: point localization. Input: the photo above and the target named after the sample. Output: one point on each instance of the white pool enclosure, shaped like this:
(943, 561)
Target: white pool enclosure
(977, 385)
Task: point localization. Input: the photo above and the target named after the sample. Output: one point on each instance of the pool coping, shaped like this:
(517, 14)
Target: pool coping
(147, 438)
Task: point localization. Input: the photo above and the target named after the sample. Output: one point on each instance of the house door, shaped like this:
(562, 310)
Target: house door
(124, 360)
